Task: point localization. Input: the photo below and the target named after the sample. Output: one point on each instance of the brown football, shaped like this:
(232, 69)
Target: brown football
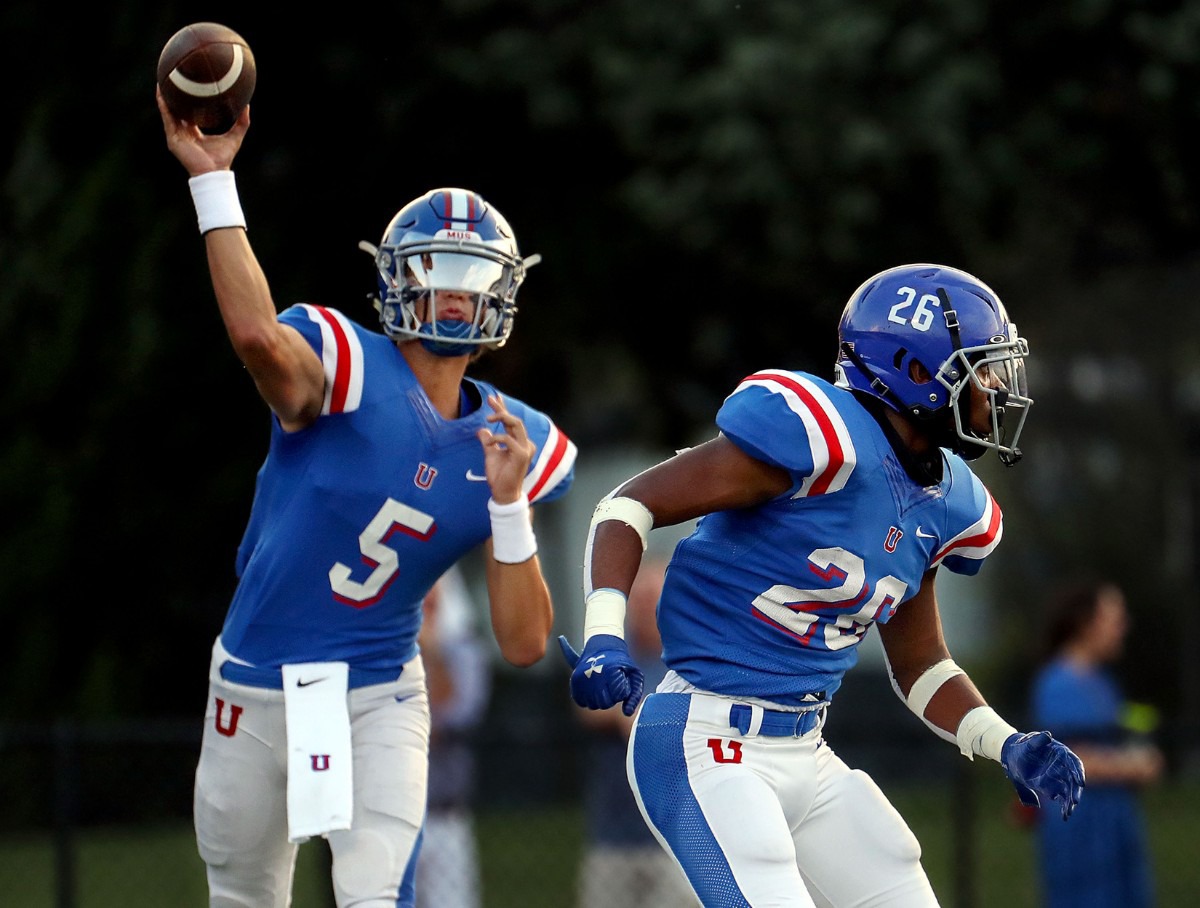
(206, 73)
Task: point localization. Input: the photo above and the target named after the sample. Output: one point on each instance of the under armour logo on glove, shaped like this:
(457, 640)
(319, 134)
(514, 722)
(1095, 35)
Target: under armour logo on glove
(1041, 768)
(595, 688)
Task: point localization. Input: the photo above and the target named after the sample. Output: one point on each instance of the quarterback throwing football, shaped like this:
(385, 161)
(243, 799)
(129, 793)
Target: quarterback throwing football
(386, 465)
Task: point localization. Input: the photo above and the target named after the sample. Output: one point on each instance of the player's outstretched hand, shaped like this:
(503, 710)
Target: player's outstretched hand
(603, 675)
(1041, 768)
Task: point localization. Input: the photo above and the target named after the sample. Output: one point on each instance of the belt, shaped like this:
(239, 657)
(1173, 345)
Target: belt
(775, 723)
(272, 678)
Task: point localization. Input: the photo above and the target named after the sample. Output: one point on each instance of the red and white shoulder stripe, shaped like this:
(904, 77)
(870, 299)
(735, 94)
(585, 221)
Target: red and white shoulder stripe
(979, 539)
(342, 357)
(833, 453)
(554, 461)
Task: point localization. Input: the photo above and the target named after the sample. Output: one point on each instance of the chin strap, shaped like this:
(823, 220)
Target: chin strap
(878, 386)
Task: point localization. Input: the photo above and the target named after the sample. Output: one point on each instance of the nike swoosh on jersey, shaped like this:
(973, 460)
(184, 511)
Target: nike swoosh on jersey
(302, 683)
(923, 535)
(475, 477)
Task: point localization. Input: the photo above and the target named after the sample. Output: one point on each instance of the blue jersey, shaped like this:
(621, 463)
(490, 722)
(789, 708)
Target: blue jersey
(1102, 858)
(772, 601)
(356, 516)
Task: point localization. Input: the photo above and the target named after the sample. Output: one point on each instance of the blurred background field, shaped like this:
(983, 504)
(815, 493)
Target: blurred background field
(98, 816)
(976, 854)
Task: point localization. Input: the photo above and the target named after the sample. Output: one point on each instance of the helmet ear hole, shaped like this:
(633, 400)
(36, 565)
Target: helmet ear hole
(918, 372)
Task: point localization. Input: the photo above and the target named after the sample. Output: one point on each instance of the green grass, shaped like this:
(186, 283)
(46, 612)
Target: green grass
(530, 856)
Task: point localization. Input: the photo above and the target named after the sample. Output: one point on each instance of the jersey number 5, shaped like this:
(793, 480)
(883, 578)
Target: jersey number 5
(392, 517)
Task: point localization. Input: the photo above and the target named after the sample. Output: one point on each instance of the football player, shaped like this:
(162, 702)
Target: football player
(386, 465)
(825, 508)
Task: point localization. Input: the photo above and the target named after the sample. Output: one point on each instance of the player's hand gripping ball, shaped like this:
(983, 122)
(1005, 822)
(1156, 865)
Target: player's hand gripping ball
(206, 73)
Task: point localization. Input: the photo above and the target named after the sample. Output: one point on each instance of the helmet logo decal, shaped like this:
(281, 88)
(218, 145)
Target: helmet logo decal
(922, 316)
(451, 233)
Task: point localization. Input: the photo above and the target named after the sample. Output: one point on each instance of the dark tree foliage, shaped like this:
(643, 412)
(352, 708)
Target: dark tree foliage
(706, 181)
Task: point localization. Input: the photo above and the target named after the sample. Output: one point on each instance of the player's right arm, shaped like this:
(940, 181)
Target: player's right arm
(284, 367)
(714, 476)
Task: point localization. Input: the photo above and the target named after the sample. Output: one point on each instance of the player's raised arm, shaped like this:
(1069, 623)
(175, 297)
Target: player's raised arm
(943, 696)
(284, 367)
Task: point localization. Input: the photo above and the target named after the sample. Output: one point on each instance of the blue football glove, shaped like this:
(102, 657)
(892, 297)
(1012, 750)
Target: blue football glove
(603, 675)
(1042, 769)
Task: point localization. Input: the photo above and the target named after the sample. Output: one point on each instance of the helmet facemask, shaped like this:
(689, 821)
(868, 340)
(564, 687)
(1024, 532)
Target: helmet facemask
(447, 272)
(416, 275)
(996, 370)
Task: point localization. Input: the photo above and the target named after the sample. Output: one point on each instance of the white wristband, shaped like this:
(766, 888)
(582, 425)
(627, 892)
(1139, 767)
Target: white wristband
(512, 533)
(215, 196)
(604, 613)
(983, 732)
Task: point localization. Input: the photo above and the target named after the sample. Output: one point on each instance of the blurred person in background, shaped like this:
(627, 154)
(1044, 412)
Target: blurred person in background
(458, 674)
(1101, 858)
(623, 863)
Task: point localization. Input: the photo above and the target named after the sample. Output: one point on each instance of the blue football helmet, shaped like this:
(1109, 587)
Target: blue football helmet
(918, 336)
(449, 240)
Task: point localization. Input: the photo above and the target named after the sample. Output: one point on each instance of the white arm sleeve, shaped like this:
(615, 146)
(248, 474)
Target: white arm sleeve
(629, 511)
(923, 689)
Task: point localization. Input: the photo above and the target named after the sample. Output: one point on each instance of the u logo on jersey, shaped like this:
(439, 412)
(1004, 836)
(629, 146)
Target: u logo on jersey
(425, 475)
(320, 762)
(895, 534)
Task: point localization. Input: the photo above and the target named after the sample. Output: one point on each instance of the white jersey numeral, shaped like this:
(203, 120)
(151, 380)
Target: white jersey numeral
(392, 517)
(798, 612)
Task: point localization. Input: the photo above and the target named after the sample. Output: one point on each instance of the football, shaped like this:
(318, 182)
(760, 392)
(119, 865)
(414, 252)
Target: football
(206, 73)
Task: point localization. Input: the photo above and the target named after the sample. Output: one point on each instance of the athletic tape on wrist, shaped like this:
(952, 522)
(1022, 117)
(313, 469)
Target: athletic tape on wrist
(215, 196)
(512, 533)
(604, 613)
(983, 732)
(630, 512)
(929, 683)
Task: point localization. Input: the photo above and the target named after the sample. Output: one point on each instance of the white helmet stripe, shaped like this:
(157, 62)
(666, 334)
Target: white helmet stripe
(461, 208)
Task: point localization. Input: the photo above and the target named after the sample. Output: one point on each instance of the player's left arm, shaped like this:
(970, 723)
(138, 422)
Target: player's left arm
(943, 696)
(522, 613)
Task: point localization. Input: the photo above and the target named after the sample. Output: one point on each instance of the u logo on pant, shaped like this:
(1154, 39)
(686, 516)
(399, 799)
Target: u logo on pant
(235, 713)
(718, 751)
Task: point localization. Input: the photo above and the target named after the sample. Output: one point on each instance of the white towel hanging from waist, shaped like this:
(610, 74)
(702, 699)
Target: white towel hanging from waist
(320, 783)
